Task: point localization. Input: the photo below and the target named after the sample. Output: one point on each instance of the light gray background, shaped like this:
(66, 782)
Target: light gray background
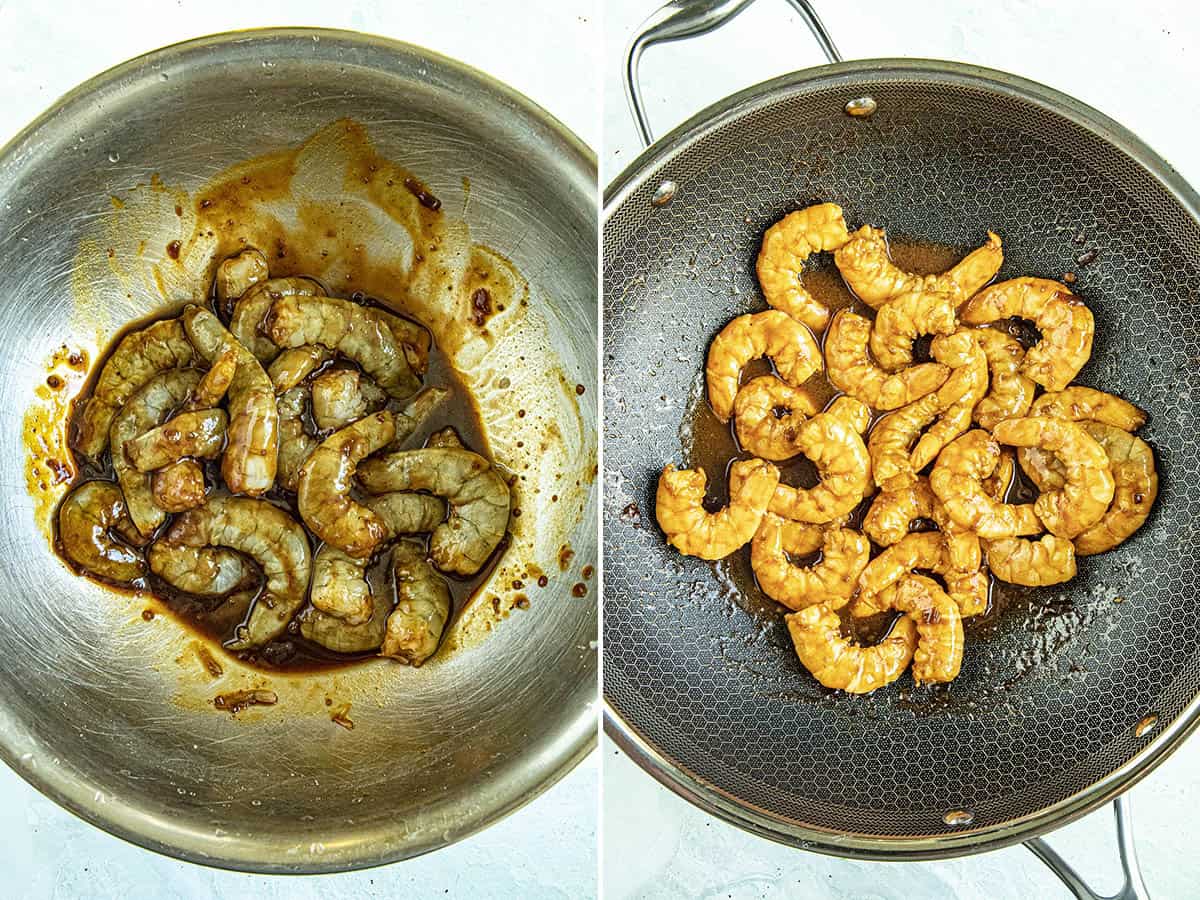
(547, 50)
(1137, 62)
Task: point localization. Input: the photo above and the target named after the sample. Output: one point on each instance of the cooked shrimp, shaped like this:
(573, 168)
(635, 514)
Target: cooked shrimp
(339, 586)
(342, 396)
(214, 384)
(768, 413)
(139, 357)
(295, 443)
(204, 571)
(939, 652)
(239, 273)
(892, 513)
(200, 433)
(323, 495)
(250, 312)
(414, 629)
(905, 318)
(1078, 403)
(1049, 560)
(785, 248)
(1136, 480)
(407, 513)
(830, 581)
(271, 538)
(1066, 324)
(679, 507)
(178, 486)
(97, 534)
(919, 550)
(957, 482)
(1010, 393)
(843, 665)
(1088, 488)
(295, 364)
(851, 369)
(789, 344)
(251, 452)
(349, 328)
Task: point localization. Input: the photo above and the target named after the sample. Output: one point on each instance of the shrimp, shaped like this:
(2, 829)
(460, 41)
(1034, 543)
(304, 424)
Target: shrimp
(1066, 324)
(905, 318)
(1049, 560)
(867, 268)
(214, 384)
(423, 603)
(971, 378)
(97, 534)
(939, 652)
(788, 343)
(293, 365)
(919, 550)
(139, 357)
(339, 636)
(892, 513)
(957, 482)
(349, 328)
(830, 581)
(417, 410)
(238, 274)
(295, 444)
(203, 571)
(1136, 480)
(1010, 393)
(842, 664)
(200, 433)
(1088, 488)
(851, 369)
(342, 396)
(476, 494)
(250, 312)
(696, 532)
(339, 586)
(407, 513)
(785, 248)
(1078, 403)
(768, 413)
(251, 454)
(323, 495)
(413, 336)
(271, 538)
(178, 486)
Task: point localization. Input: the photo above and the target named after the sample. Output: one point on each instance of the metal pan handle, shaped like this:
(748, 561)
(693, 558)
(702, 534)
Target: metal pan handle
(682, 19)
(1132, 889)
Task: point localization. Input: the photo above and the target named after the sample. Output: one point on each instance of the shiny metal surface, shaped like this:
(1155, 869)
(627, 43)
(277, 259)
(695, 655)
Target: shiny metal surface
(90, 711)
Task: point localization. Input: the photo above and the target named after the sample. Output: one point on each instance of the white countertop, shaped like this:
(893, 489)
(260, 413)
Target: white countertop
(657, 845)
(546, 849)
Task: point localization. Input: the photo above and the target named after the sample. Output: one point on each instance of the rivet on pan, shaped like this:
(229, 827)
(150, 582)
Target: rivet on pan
(1145, 725)
(861, 107)
(959, 817)
(665, 193)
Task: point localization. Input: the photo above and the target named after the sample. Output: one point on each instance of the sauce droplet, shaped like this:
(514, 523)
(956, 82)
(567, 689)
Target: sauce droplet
(173, 249)
(1145, 725)
(957, 817)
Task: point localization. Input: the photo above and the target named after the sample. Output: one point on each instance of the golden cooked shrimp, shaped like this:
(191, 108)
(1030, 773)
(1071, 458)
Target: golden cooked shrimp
(339, 586)
(407, 513)
(966, 385)
(1010, 393)
(1078, 403)
(251, 452)
(414, 629)
(851, 369)
(178, 486)
(920, 550)
(293, 365)
(97, 535)
(1066, 324)
(295, 443)
(138, 357)
(1088, 487)
(475, 492)
(323, 495)
(768, 413)
(905, 318)
(214, 384)
(788, 343)
(830, 581)
(939, 652)
(271, 538)
(841, 664)
(200, 433)
(892, 513)
(238, 274)
(203, 571)
(957, 482)
(785, 248)
(349, 328)
(679, 507)
(1048, 560)
(1136, 480)
(342, 396)
(248, 323)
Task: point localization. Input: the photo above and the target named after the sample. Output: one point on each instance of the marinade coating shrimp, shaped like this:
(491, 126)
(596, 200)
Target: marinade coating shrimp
(679, 507)
(768, 414)
(905, 318)
(96, 532)
(239, 273)
(867, 268)
(200, 433)
(1078, 403)
(414, 629)
(788, 343)
(892, 512)
(349, 328)
(939, 652)
(957, 482)
(204, 571)
(1088, 487)
(271, 538)
(214, 384)
(417, 410)
(250, 312)
(295, 444)
(1136, 480)
(1066, 324)
(342, 396)
(251, 452)
(144, 410)
(339, 586)
(407, 513)
(414, 336)
(830, 581)
(1048, 560)
(139, 357)
(293, 365)
(919, 550)
(340, 636)
(476, 494)
(841, 664)
(786, 246)
(178, 486)
(1009, 393)
(323, 495)
(851, 369)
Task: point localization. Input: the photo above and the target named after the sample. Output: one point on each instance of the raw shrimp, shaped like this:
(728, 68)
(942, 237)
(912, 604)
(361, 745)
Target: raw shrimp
(323, 496)
(1066, 324)
(271, 538)
(1088, 488)
(788, 343)
(341, 637)
(851, 369)
(204, 571)
(238, 274)
(214, 383)
(939, 652)
(339, 586)
(1049, 560)
(416, 411)
(97, 534)
(919, 550)
(842, 664)
(957, 482)
(1010, 393)
(905, 318)
(178, 486)
(349, 328)
(785, 248)
(200, 433)
(295, 364)
(477, 496)
(1078, 403)
(830, 581)
(251, 453)
(407, 513)
(414, 629)
(414, 336)
(892, 512)
(295, 444)
(768, 413)
(1136, 480)
(139, 357)
(342, 396)
(250, 313)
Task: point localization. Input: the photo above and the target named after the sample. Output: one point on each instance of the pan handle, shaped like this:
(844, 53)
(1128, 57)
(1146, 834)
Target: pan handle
(1132, 889)
(682, 19)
